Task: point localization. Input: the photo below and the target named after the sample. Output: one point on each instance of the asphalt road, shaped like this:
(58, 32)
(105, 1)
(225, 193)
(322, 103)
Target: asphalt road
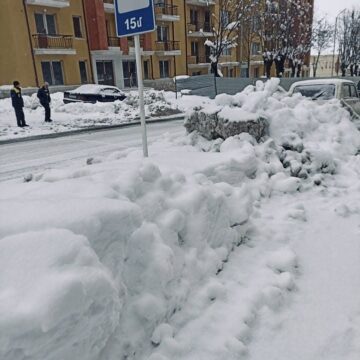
(19, 159)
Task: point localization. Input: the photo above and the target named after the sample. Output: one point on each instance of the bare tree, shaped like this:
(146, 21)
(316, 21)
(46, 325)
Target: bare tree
(286, 34)
(250, 32)
(349, 41)
(322, 36)
(226, 21)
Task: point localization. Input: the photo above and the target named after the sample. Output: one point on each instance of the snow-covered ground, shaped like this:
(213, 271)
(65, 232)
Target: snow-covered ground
(75, 116)
(208, 250)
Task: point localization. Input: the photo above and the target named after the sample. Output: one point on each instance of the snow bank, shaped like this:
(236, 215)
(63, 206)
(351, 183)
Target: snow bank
(57, 301)
(109, 258)
(79, 115)
(307, 139)
(99, 262)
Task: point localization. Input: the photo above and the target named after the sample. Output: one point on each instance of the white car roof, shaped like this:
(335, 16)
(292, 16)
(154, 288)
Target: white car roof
(322, 82)
(92, 88)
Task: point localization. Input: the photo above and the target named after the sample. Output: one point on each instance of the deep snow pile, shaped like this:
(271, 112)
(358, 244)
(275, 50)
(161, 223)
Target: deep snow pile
(74, 116)
(99, 261)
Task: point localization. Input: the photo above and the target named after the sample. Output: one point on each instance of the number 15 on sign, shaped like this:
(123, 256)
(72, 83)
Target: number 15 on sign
(134, 17)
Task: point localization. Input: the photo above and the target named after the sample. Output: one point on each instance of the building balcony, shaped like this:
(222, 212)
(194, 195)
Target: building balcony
(199, 29)
(165, 12)
(109, 6)
(167, 48)
(201, 2)
(50, 3)
(196, 61)
(53, 44)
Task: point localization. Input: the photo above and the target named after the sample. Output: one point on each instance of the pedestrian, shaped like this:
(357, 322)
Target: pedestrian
(45, 100)
(18, 104)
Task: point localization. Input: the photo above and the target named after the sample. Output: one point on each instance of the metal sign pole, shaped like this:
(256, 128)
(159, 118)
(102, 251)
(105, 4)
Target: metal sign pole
(135, 17)
(141, 94)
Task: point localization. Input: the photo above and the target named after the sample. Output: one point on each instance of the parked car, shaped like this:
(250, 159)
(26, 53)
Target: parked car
(94, 93)
(326, 89)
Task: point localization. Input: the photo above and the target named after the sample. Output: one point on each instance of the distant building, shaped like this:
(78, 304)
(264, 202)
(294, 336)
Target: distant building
(328, 66)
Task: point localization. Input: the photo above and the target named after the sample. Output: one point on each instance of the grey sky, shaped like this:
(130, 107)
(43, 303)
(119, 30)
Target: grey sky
(333, 7)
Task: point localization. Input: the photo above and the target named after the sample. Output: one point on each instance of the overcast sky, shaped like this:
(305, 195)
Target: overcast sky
(333, 7)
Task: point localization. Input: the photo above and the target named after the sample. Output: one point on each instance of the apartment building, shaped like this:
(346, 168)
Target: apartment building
(113, 59)
(70, 42)
(43, 40)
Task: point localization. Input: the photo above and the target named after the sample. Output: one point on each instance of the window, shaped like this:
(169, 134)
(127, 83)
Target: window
(321, 91)
(146, 69)
(194, 48)
(224, 16)
(226, 51)
(77, 26)
(162, 33)
(52, 72)
(193, 16)
(83, 72)
(45, 24)
(164, 69)
(349, 91)
(255, 49)
(105, 72)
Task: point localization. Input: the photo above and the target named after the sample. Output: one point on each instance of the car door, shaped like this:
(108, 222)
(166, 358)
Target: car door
(350, 99)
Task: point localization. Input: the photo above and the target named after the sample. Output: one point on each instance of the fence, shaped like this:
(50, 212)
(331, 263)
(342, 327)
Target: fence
(208, 85)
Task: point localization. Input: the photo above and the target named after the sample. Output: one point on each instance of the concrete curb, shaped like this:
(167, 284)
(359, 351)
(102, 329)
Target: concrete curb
(92, 129)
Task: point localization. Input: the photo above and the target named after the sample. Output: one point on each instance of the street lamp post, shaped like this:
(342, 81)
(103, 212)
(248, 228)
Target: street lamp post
(333, 59)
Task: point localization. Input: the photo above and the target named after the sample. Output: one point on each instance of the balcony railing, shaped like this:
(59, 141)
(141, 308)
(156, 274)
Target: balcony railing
(199, 26)
(167, 45)
(57, 41)
(198, 59)
(113, 41)
(166, 9)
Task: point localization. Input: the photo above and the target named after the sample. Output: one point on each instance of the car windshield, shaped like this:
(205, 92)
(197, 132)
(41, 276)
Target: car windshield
(320, 91)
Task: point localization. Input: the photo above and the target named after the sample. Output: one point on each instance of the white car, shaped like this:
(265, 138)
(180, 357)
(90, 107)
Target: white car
(327, 89)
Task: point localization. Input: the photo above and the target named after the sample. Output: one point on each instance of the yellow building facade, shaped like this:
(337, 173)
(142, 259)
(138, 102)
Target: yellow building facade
(71, 42)
(43, 40)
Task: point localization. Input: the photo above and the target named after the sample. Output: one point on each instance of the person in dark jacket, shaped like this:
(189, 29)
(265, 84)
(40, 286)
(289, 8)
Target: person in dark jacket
(18, 104)
(45, 100)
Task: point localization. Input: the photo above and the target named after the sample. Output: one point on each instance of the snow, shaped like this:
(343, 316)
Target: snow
(207, 250)
(75, 116)
(91, 89)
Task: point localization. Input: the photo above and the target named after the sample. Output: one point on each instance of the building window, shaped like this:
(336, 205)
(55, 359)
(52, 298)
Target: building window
(256, 72)
(52, 72)
(105, 72)
(226, 51)
(194, 48)
(162, 33)
(146, 70)
(77, 26)
(164, 69)
(255, 49)
(224, 16)
(83, 72)
(45, 24)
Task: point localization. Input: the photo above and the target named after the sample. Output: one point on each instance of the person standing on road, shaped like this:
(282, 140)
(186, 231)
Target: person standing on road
(45, 100)
(18, 104)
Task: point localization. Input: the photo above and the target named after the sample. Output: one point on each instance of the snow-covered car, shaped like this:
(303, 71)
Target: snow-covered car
(94, 93)
(327, 89)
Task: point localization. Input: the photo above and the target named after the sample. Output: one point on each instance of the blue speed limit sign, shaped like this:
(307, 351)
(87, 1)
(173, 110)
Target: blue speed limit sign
(134, 17)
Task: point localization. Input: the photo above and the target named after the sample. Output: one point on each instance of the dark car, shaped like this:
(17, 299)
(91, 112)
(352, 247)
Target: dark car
(94, 93)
